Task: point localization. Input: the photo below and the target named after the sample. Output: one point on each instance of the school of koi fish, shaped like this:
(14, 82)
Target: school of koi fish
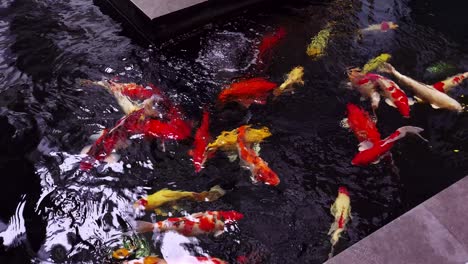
(152, 115)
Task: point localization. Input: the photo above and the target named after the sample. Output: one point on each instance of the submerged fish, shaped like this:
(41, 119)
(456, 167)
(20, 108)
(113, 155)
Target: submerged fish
(257, 166)
(165, 196)
(341, 211)
(146, 260)
(361, 124)
(440, 68)
(376, 62)
(366, 85)
(202, 138)
(209, 222)
(425, 92)
(269, 42)
(451, 82)
(372, 152)
(247, 92)
(382, 27)
(316, 48)
(227, 140)
(294, 78)
(395, 96)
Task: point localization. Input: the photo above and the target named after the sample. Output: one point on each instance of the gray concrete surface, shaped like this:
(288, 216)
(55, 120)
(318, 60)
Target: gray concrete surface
(435, 232)
(157, 8)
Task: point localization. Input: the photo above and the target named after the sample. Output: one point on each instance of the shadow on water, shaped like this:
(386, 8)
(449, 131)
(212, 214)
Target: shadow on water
(53, 212)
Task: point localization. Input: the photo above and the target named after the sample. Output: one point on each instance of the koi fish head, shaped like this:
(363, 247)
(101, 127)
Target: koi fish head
(231, 215)
(343, 190)
(354, 74)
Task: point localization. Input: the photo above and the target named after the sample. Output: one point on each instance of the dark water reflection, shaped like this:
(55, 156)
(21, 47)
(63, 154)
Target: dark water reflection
(52, 212)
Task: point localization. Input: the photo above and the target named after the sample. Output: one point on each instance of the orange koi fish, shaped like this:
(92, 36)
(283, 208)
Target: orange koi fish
(257, 166)
(269, 42)
(165, 196)
(247, 92)
(202, 138)
(361, 124)
(451, 82)
(341, 211)
(209, 222)
(395, 96)
(146, 260)
(176, 129)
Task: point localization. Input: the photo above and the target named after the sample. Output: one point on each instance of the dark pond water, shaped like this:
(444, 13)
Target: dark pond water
(53, 213)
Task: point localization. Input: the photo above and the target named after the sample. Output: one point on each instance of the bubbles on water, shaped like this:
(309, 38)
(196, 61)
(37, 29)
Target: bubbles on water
(226, 51)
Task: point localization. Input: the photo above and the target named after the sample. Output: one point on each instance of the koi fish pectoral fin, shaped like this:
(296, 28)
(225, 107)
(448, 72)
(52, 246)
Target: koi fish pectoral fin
(364, 145)
(435, 106)
(411, 101)
(390, 103)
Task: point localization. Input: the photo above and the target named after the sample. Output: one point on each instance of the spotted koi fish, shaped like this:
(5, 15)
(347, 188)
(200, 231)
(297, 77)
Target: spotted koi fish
(202, 138)
(165, 196)
(361, 124)
(247, 92)
(257, 166)
(319, 43)
(372, 152)
(209, 222)
(451, 82)
(269, 42)
(341, 211)
(382, 27)
(423, 92)
(395, 96)
(366, 85)
(375, 63)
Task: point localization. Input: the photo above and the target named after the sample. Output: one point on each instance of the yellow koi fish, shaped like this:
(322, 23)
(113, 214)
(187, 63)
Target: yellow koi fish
(319, 43)
(376, 63)
(341, 210)
(294, 77)
(227, 140)
(166, 196)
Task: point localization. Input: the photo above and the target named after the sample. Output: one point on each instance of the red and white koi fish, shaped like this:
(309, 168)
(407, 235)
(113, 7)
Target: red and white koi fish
(361, 124)
(269, 42)
(209, 222)
(210, 260)
(382, 27)
(371, 152)
(395, 96)
(341, 211)
(424, 92)
(366, 85)
(257, 166)
(202, 138)
(247, 92)
(451, 82)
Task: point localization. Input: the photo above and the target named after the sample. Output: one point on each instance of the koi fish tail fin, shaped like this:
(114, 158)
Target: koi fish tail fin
(411, 130)
(144, 227)
(336, 236)
(333, 228)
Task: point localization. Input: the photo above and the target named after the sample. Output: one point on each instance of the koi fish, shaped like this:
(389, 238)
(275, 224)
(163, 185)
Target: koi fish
(395, 96)
(202, 138)
(176, 129)
(121, 253)
(316, 48)
(115, 138)
(341, 210)
(425, 92)
(269, 42)
(451, 82)
(209, 222)
(366, 85)
(382, 27)
(165, 196)
(294, 77)
(257, 166)
(146, 260)
(361, 124)
(372, 152)
(227, 140)
(376, 62)
(247, 92)
(210, 260)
